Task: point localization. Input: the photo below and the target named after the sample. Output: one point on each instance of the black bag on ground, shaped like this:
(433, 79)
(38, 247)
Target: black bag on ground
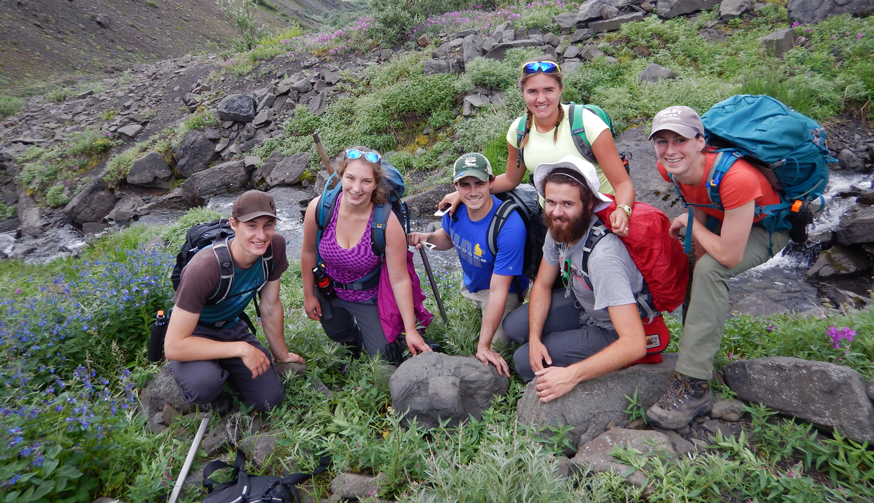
(251, 489)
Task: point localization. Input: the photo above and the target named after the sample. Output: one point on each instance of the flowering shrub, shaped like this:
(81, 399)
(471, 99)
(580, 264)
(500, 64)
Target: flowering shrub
(837, 335)
(104, 308)
(57, 441)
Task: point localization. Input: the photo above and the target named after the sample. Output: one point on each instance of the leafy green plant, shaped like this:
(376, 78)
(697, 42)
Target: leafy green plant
(635, 409)
(240, 15)
(55, 196)
(10, 105)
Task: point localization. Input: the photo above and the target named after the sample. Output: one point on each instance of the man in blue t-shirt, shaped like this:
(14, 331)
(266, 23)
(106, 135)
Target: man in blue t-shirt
(495, 284)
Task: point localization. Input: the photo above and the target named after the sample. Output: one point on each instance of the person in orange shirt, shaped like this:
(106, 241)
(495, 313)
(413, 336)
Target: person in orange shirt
(732, 243)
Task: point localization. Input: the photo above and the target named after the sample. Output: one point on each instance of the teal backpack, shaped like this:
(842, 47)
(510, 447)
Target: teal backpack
(393, 182)
(786, 146)
(578, 133)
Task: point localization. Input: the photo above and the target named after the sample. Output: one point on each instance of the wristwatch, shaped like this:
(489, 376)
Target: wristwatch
(625, 208)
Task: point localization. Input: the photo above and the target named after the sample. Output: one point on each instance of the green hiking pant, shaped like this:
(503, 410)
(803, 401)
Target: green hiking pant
(708, 307)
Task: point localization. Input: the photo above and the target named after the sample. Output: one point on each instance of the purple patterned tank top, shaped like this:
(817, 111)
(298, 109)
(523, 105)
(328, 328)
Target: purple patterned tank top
(347, 266)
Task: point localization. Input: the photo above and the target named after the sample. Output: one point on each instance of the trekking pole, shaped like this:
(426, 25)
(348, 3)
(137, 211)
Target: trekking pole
(329, 167)
(188, 460)
(433, 283)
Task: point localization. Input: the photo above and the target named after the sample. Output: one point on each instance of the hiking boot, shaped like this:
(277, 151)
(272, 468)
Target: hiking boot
(687, 398)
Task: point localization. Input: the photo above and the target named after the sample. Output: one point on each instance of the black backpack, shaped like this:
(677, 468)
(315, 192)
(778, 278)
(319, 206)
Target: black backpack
(524, 200)
(215, 234)
(244, 488)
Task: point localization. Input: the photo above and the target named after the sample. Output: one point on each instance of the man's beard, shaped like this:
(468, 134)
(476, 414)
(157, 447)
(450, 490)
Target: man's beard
(571, 230)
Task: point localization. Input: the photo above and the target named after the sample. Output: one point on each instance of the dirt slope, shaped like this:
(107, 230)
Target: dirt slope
(40, 39)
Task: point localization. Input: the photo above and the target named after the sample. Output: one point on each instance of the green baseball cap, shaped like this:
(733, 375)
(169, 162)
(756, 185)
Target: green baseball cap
(472, 164)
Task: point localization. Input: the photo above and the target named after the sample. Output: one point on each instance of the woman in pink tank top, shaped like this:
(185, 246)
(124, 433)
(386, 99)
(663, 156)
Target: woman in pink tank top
(352, 317)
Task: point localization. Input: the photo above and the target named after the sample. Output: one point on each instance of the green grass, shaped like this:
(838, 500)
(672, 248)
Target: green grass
(10, 105)
(494, 459)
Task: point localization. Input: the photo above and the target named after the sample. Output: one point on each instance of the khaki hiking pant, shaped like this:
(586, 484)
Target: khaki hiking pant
(481, 300)
(708, 307)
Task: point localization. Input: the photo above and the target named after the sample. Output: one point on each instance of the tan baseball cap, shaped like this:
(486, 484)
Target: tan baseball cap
(254, 204)
(679, 119)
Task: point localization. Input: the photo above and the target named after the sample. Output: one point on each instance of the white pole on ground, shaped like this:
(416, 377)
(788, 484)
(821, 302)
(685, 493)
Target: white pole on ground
(189, 459)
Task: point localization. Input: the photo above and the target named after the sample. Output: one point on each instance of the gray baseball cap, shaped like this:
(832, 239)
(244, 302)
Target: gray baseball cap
(679, 119)
(472, 164)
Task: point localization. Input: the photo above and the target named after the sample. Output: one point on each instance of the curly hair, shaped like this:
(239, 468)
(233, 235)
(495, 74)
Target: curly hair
(523, 77)
(379, 195)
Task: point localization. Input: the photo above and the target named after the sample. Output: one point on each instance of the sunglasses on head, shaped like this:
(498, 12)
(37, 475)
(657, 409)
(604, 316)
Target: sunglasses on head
(357, 154)
(541, 66)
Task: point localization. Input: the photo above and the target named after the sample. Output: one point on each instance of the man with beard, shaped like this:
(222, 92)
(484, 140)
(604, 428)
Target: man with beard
(573, 334)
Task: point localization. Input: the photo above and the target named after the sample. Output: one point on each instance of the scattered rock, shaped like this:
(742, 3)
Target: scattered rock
(825, 394)
(164, 390)
(779, 42)
(221, 179)
(195, 153)
(597, 454)
(286, 171)
(357, 486)
(856, 226)
(840, 261)
(473, 102)
(150, 170)
(433, 386)
(131, 130)
(654, 73)
(237, 107)
(814, 11)
(615, 23)
(670, 9)
(730, 9)
(592, 404)
(500, 50)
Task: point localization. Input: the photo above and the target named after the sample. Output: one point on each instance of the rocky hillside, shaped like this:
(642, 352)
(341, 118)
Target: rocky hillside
(190, 131)
(41, 39)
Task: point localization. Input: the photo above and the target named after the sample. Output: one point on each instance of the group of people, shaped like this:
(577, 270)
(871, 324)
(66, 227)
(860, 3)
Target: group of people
(567, 332)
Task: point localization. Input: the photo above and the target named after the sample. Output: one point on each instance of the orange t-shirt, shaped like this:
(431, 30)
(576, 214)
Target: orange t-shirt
(741, 184)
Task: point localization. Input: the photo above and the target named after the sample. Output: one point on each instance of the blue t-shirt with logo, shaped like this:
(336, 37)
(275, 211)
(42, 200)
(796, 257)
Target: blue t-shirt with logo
(477, 263)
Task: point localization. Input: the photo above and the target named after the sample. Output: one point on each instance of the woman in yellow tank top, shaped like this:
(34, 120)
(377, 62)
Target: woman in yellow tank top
(548, 138)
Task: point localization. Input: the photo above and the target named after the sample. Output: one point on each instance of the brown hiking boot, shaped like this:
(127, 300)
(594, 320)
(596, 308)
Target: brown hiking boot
(687, 398)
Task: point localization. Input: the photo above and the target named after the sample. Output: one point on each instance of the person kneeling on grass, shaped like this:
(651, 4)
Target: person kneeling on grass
(208, 344)
(574, 334)
(737, 244)
(494, 283)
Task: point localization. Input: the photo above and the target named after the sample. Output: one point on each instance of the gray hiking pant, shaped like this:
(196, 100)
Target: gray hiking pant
(353, 323)
(708, 307)
(566, 339)
(201, 381)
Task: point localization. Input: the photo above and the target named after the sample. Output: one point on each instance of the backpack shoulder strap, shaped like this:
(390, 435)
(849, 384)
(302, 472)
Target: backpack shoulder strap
(267, 264)
(594, 236)
(213, 466)
(578, 132)
(498, 220)
(325, 209)
(520, 135)
(724, 160)
(226, 267)
(378, 224)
